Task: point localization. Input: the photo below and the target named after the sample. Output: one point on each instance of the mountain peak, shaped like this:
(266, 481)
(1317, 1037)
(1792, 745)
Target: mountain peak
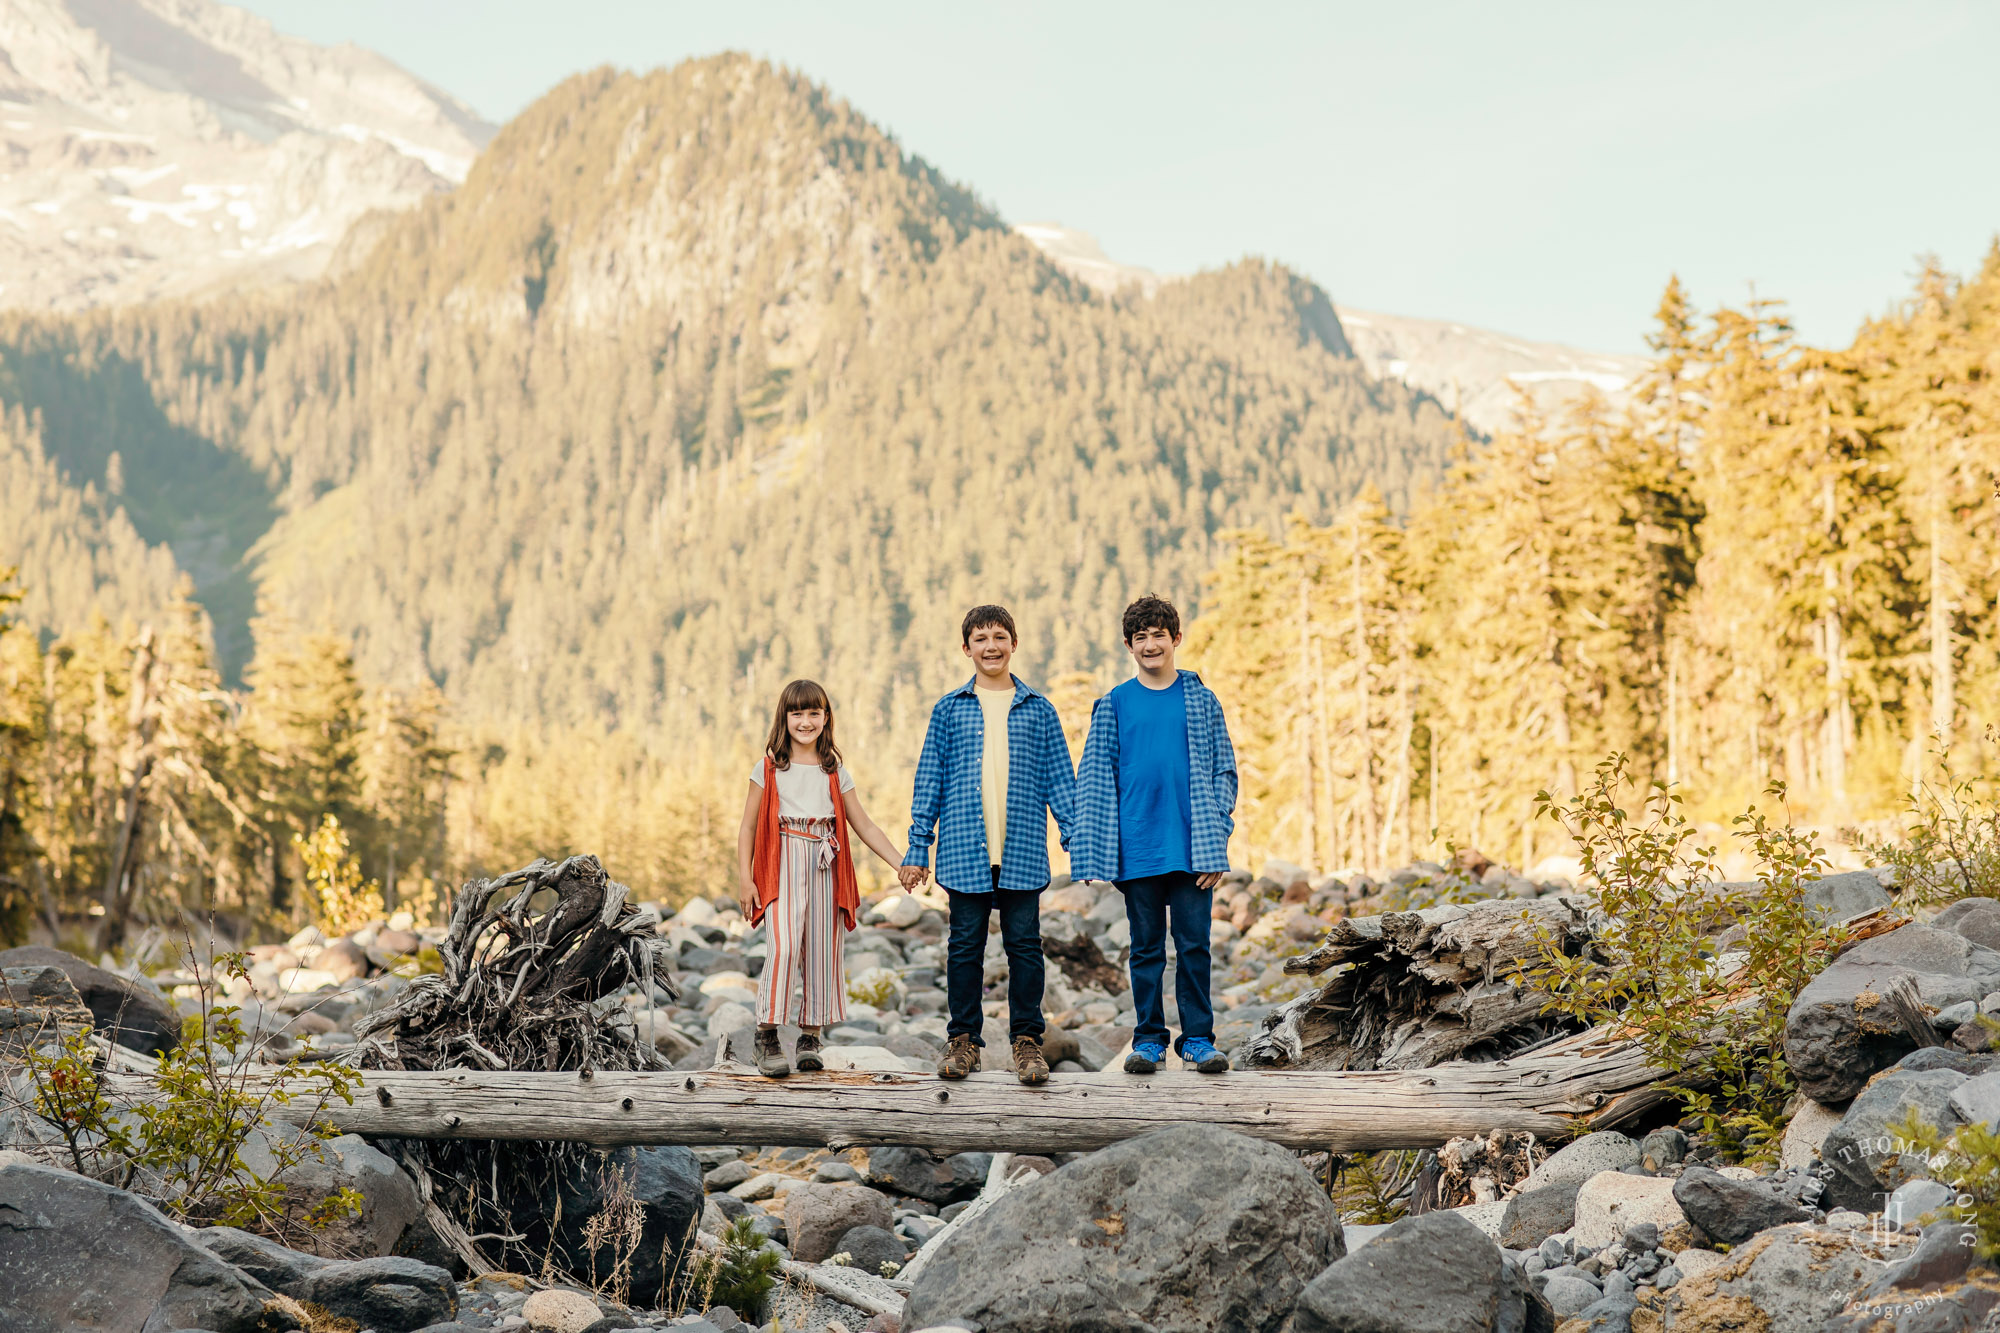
(169, 146)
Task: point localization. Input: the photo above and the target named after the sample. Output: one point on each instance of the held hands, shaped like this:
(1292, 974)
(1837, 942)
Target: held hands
(912, 877)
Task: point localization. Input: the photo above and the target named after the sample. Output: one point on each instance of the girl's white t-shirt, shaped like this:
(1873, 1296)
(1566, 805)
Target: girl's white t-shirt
(802, 792)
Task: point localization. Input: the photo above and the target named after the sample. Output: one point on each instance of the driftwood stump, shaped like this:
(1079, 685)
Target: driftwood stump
(527, 960)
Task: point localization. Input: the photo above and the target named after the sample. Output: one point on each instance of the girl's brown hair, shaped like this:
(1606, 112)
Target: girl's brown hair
(795, 697)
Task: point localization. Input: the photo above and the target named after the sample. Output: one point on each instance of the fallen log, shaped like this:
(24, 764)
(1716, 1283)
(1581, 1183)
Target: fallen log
(1587, 1081)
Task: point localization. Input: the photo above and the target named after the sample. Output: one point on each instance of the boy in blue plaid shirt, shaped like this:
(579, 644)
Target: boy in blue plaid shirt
(1156, 796)
(994, 766)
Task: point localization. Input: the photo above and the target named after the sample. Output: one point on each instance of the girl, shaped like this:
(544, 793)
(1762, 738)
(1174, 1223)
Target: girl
(797, 873)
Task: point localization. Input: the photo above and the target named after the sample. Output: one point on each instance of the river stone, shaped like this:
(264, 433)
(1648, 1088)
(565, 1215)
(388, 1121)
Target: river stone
(1574, 1163)
(1611, 1201)
(1866, 1150)
(39, 1006)
(1436, 1273)
(1849, 893)
(868, 1248)
(1834, 1040)
(132, 1015)
(817, 1216)
(389, 1202)
(392, 1295)
(276, 1266)
(1192, 1227)
(1569, 1295)
(77, 1254)
(1532, 1216)
(1732, 1211)
(1805, 1132)
(1978, 919)
(559, 1310)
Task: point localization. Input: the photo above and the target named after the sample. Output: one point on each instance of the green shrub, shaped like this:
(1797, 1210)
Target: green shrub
(741, 1276)
(1655, 966)
(177, 1137)
(1950, 848)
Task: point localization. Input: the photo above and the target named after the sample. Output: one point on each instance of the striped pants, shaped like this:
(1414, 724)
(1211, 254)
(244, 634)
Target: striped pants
(804, 933)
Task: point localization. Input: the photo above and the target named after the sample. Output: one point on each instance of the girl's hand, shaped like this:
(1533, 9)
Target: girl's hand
(746, 897)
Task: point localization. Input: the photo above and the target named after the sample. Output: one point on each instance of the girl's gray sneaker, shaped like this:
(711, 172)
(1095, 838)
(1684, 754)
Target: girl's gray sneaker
(771, 1062)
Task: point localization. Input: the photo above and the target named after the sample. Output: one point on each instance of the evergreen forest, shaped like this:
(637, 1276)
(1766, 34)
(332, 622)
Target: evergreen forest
(500, 541)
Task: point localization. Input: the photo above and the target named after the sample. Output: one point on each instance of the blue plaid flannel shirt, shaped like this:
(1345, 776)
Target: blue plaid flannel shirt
(947, 797)
(1211, 787)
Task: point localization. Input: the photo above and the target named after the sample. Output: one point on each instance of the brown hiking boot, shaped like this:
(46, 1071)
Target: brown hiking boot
(960, 1058)
(807, 1053)
(770, 1055)
(1029, 1064)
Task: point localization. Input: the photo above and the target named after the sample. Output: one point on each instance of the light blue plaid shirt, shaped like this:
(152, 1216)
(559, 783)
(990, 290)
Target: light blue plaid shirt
(948, 792)
(1211, 787)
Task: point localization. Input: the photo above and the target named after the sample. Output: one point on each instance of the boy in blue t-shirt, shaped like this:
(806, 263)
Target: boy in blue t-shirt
(1156, 795)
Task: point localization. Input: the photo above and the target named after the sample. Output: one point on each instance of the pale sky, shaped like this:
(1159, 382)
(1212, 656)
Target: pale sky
(1535, 168)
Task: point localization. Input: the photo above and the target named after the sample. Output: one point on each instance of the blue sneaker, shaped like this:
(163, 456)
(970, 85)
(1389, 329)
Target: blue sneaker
(1146, 1058)
(1201, 1053)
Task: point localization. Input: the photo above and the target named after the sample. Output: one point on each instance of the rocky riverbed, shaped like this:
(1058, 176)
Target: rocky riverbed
(1190, 1228)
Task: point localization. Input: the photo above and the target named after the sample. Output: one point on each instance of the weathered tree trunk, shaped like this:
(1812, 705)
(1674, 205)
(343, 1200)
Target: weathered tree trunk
(1587, 1081)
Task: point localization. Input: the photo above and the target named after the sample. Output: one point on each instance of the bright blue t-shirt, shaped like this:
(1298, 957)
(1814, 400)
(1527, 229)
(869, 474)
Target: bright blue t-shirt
(1154, 812)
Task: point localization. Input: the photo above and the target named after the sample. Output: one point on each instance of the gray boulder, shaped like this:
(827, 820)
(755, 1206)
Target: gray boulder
(1436, 1273)
(1578, 1161)
(914, 1172)
(276, 1266)
(868, 1248)
(1977, 919)
(38, 1006)
(665, 1183)
(1840, 1030)
(1532, 1216)
(130, 1014)
(1866, 1152)
(1732, 1211)
(77, 1254)
(390, 1295)
(1192, 1227)
(817, 1216)
(1850, 893)
(389, 1202)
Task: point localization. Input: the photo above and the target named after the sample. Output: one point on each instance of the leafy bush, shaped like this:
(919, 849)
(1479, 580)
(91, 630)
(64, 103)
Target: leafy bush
(1967, 1159)
(1950, 848)
(177, 1137)
(342, 901)
(741, 1276)
(1656, 967)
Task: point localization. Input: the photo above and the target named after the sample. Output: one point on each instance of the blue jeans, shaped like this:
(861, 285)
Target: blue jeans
(965, 961)
(1149, 903)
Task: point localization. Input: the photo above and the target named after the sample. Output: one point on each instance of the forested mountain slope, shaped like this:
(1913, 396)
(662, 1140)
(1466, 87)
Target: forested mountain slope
(700, 382)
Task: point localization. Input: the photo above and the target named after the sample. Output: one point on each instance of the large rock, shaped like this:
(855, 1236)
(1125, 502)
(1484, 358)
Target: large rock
(79, 1255)
(1436, 1273)
(1192, 1227)
(817, 1216)
(1850, 893)
(1532, 1216)
(1805, 1132)
(1839, 1032)
(1732, 1211)
(914, 1172)
(1790, 1279)
(38, 1005)
(390, 1206)
(278, 1267)
(125, 1011)
(1977, 919)
(1611, 1201)
(1867, 1153)
(392, 1295)
(665, 1184)
(1578, 1161)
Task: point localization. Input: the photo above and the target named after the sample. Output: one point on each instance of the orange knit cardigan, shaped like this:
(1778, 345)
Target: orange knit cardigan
(767, 854)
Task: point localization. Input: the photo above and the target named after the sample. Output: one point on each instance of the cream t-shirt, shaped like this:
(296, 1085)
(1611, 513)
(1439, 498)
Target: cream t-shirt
(802, 792)
(995, 705)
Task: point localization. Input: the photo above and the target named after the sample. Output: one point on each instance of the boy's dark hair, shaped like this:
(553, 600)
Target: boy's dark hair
(980, 616)
(1151, 612)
